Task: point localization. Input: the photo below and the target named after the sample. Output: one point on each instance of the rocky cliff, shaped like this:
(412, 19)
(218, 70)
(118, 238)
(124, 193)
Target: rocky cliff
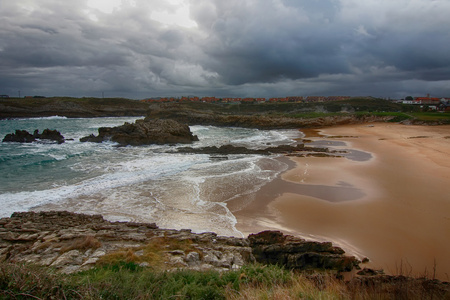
(71, 242)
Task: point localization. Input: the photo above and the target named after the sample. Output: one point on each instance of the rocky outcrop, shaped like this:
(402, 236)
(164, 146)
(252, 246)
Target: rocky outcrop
(145, 132)
(20, 136)
(230, 149)
(71, 242)
(23, 136)
(51, 135)
(272, 247)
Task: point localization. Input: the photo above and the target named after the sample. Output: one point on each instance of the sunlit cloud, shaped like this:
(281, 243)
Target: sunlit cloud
(180, 15)
(105, 6)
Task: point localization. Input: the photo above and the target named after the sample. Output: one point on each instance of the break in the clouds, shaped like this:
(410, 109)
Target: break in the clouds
(265, 48)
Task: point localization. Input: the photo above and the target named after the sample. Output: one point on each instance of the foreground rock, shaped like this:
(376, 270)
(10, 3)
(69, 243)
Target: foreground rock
(72, 242)
(272, 247)
(145, 132)
(23, 136)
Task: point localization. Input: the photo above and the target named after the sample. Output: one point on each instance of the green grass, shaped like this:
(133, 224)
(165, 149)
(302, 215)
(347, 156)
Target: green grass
(87, 101)
(128, 280)
(431, 116)
(418, 116)
(396, 116)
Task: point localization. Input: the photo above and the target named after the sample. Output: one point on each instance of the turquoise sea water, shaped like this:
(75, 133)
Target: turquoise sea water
(144, 184)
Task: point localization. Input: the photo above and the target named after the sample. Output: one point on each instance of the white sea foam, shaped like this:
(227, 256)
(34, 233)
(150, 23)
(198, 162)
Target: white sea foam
(116, 176)
(44, 118)
(135, 183)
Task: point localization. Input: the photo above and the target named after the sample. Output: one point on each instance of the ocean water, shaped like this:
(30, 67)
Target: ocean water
(143, 184)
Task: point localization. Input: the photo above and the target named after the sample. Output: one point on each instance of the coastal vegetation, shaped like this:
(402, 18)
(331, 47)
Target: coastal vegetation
(40, 253)
(128, 280)
(70, 107)
(102, 107)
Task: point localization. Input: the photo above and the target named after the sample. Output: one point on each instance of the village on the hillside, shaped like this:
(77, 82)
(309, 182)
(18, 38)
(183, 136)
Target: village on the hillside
(432, 103)
(249, 99)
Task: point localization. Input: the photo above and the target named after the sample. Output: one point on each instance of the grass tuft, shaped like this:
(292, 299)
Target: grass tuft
(155, 253)
(88, 242)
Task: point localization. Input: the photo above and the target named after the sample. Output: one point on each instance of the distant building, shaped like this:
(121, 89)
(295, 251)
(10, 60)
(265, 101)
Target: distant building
(249, 99)
(280, 99)
(4, 96)
(427, 100)
(295, 98)
(315, 99)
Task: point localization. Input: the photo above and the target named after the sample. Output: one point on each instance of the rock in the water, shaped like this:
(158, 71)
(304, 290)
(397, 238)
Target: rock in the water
(230, 149)
(23, 136)
(145, 132)
(52, 135)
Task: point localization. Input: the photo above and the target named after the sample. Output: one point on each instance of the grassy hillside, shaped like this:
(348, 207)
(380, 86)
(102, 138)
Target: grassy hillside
(97, 107)
(85, 102)
(354, 106)
(70, 107)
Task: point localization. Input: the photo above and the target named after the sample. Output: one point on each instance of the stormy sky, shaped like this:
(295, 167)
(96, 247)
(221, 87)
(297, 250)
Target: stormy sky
(233, 48)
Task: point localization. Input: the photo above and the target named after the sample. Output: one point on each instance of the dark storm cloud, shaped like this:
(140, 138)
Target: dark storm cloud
(239, 48)
(268, 42)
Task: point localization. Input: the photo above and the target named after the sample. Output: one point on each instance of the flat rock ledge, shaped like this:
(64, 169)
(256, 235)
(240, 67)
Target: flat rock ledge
(71, 242)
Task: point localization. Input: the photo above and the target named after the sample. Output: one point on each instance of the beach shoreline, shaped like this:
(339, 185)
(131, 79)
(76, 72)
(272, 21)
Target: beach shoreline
(392, 207)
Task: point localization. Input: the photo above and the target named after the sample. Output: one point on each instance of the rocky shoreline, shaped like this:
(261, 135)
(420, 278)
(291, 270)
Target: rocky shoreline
(259, 121)
(71, 242)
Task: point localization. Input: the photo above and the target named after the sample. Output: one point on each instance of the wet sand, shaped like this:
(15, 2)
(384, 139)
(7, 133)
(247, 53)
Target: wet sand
(393, 206)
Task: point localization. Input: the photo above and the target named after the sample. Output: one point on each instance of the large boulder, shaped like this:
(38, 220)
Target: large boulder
(145, 132)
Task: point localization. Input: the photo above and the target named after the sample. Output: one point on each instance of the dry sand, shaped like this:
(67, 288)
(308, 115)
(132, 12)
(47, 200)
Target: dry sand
(393, 208)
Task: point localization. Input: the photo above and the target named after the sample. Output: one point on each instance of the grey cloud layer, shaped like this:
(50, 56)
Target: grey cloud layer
(254, 48)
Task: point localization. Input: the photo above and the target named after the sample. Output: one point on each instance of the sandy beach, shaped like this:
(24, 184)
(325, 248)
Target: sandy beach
(392, 206)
